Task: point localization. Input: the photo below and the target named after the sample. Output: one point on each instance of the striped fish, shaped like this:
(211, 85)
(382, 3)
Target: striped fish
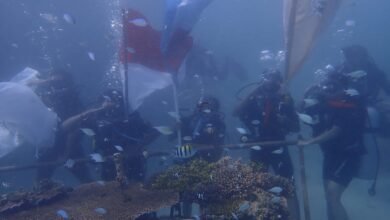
(185, 151)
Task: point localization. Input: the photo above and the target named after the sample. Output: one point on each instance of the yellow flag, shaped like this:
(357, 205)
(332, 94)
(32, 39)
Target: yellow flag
(303, 22)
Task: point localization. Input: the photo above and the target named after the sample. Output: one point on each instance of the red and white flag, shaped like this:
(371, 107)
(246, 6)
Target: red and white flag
(146, 68)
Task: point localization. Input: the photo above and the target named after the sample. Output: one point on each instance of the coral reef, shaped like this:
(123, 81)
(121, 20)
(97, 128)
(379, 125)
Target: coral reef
(229, 189)
(117, 203)
(45, 193)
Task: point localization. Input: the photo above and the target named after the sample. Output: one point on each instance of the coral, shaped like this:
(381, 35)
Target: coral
(81, 203)
(221, 188)
(184, 177)
(46, 192)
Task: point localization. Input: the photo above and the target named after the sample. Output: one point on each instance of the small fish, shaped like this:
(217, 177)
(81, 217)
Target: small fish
(164, 130)
(200, 196)
(276, 190)
(255, 122)
(266, 55)
(100, 211)
(91, 56)
(330, 68)
(187, 138)
(164, 158)
(310, 102)
(280, 56)
(256, 147)
(185, 151)
(164, 102)
(306, 118)
(5, 185)
(243, 139)
(97, 158)
(49, 17)
(265, 52)
(62, 214)
(350, 23)
(351, 92)
(145, 154)
(88, 131)
(235, 217)
(174, 115)
(69, 19)
(69, 163)
(241, 130)
(207, 111)
(14, 45)
(118, 148)
(276, 199)
(278, 151)
(244, 206)
(101, 182)
(357, 74)
(130, 50)
(140, 22)
(183, 3)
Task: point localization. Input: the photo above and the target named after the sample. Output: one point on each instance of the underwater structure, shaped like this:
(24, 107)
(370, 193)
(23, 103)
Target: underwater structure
(228, 189)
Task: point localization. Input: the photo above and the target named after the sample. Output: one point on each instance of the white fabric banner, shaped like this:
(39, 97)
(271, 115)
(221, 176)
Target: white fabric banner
(24, 118)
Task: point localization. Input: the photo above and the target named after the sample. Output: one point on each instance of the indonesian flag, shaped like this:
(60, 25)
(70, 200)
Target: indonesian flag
(146, 68)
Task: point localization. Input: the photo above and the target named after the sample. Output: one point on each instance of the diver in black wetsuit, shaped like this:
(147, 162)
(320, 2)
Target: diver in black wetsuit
(338, 124)
(371, 83)
(204, 127)
(59, 93)
(117, 133)
(357, 58)
(269, 115)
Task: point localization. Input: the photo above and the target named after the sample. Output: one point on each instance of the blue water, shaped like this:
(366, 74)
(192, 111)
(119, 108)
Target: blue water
(239, 29)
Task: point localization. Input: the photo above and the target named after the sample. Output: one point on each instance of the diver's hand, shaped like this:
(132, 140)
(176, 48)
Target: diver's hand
(107, 104)
(302, 143)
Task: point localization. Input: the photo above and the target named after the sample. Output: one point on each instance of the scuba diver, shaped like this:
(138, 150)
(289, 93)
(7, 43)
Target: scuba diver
(58, 92)
(370, 81)
(357, 58)
(269, 115)
(117, 133)
(337, 118)
(205, 127)
(201, 63)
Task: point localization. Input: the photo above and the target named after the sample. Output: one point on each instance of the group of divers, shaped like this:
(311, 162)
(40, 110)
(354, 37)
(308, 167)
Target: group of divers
(335, 108)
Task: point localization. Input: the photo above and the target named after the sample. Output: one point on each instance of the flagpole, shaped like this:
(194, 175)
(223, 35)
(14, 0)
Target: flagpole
(176, 104)
(125, 60)
(291, 20)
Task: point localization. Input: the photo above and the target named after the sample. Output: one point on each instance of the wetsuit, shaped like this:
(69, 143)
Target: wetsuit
(270, 117)
(63, 99)
(204, 128)
(131, 135)
(342, 153)
(371, 84)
